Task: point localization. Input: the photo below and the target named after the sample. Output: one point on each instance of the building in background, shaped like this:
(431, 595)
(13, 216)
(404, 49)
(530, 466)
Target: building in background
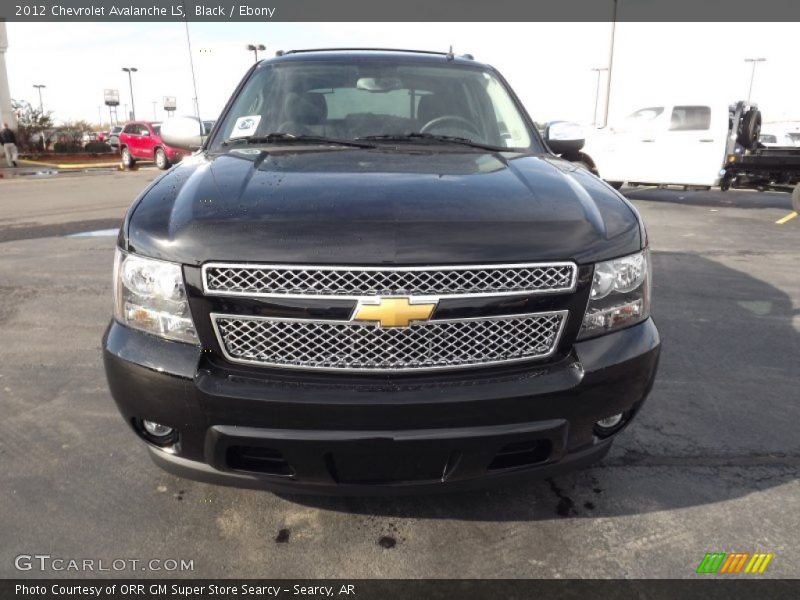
(6, 112)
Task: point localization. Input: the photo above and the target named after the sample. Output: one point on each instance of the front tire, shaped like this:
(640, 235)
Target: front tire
(162, 162)
(127, 160)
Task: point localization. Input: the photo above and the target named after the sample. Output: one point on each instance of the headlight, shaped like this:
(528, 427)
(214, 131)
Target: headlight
(620, 294)
(149, 295)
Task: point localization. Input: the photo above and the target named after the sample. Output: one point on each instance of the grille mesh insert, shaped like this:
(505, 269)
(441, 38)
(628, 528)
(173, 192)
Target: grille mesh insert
(355, 282)
(366, 347)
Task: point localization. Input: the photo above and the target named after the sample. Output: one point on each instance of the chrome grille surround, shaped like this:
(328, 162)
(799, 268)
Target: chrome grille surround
(304, 281)
(349, 346)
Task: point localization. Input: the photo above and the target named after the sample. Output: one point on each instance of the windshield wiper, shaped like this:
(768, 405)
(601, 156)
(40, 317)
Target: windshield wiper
(413, 137)
(291, 138)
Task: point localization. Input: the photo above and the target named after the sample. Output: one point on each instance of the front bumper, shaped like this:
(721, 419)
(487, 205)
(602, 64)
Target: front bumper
(323, 433)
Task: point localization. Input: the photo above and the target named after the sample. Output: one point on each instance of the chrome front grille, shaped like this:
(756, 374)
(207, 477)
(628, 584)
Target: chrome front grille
(228, 279)
(352, 346)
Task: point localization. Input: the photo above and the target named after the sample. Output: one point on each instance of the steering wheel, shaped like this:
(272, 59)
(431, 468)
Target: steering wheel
(293, 128)
(458, 122)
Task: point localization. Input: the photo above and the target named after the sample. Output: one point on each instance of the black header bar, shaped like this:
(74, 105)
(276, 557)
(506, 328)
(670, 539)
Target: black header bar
(399, 11)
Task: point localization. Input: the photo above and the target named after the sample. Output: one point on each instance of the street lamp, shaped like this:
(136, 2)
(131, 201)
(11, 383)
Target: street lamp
(254, 48)
(752, 74)
(130, 70)
(610, 63)
(39, 86)
(598, 70)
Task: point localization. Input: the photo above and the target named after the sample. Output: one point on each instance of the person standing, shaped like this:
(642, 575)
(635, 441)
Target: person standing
(9, 145)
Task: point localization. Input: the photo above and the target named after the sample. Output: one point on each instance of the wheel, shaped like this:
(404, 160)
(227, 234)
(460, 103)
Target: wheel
(796, 198)
(127, 160)
(617, 185)
(587, 162)
(750, 129)
(162, 162)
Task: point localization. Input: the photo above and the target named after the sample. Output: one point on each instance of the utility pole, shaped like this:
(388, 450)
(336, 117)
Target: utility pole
(752, 74)
(610, 63)
(155, 118)
(39, 87)
(598, 70)
(130, 71)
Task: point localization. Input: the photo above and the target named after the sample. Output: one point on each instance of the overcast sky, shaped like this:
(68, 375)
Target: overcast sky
(548, 64)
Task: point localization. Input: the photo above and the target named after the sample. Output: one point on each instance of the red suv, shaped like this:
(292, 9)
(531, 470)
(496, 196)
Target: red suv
(141, 140)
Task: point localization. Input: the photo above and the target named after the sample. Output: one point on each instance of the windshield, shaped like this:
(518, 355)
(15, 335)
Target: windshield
(366, 98)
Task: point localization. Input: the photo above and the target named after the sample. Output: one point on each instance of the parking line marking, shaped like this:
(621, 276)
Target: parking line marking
(788, 217)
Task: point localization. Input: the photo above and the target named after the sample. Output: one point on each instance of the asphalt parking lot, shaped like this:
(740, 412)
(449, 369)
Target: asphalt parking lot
(711, 464)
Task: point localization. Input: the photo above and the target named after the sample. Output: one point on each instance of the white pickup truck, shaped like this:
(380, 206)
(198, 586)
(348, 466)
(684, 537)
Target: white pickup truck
(693, 145)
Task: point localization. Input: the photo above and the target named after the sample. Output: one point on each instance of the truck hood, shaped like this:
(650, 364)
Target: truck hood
(364, 206)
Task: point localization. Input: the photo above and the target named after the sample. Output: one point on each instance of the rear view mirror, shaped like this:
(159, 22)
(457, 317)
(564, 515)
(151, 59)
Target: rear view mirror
(379, 84)
(187, 133)
(564, 137)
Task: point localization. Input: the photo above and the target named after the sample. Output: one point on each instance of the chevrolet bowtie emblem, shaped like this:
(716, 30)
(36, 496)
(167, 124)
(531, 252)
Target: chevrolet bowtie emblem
(394, 312)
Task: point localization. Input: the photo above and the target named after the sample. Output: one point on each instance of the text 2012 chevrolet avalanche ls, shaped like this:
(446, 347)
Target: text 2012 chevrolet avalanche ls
(375, 276)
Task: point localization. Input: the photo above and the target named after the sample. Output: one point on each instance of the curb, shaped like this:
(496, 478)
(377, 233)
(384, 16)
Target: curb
(68, 166)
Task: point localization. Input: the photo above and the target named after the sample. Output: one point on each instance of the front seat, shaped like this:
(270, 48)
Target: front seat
(305, 114)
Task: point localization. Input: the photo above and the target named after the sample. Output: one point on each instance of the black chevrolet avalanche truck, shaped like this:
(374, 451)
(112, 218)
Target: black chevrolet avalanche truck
(376, 276)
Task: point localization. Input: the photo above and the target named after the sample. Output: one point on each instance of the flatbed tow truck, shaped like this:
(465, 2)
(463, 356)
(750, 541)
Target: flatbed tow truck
(751, 165)
(697, 145)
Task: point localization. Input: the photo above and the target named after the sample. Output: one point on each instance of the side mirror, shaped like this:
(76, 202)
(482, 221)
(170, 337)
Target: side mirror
(145, 133)
(564, 137)
(186, 133)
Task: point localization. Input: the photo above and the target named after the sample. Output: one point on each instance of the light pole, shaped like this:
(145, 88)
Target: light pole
(39, 87)
(610, 63)
(597, 93)
(752, 74)
(130, 70)
(254, 48)
(154, 110)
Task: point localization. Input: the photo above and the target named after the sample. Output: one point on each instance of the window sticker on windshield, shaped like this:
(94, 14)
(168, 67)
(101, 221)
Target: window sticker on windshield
(245, 126)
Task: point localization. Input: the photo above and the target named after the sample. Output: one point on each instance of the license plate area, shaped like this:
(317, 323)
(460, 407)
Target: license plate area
(380, 461)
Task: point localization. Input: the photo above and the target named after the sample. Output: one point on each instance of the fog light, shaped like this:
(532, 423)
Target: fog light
(157, 430)
(610, 422)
